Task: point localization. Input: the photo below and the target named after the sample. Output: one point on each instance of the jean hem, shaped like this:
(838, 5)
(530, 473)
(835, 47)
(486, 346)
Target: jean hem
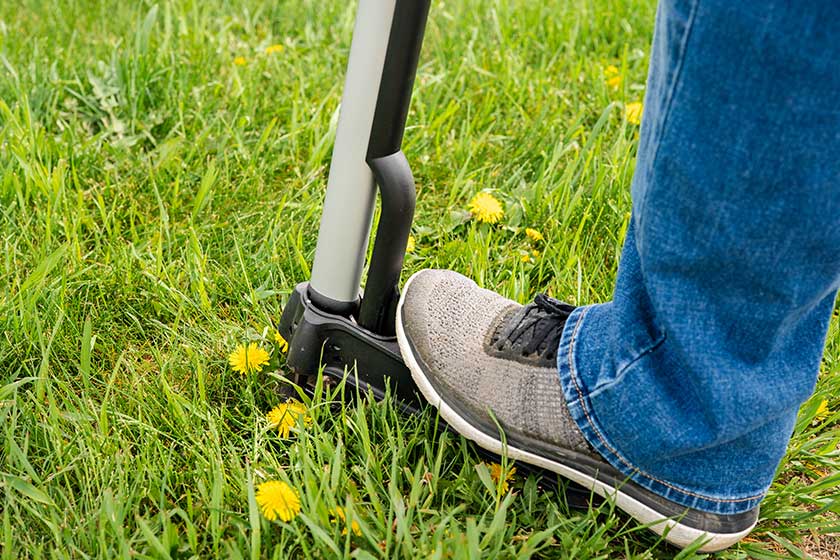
(580, 408)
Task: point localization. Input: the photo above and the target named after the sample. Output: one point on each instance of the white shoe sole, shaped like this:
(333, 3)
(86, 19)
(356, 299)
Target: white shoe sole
(673, 531)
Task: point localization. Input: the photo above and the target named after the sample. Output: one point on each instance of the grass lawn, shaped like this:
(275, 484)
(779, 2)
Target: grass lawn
(161, 175)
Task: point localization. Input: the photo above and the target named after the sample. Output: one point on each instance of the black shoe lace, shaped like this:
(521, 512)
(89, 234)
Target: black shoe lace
(536, 328)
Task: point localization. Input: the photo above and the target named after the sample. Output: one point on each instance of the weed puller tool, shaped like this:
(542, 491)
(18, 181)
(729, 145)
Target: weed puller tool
(328, 321)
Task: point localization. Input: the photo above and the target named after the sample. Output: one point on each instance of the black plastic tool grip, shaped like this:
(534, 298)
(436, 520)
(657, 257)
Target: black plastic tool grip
(390, 167)
(396, 190)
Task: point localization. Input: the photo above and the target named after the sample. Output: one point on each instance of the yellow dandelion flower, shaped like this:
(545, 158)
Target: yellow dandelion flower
(611, 70)
(822, 410)
(278, 500)
(273, 49)
(338, 515)
(613, 77)
(497, 475)
(281, 342)
(240, 61)
(248, 359)
(614, 82)
(486, 208)
(409, 247)
(633, 112)
(525, 257)
(284, 416)
(533, 234)
(535, 254)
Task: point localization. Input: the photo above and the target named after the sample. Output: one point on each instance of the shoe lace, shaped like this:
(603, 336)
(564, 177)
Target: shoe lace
(536, 328)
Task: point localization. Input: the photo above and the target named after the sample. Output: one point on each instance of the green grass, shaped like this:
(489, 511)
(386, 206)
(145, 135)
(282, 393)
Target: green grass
(158, 203)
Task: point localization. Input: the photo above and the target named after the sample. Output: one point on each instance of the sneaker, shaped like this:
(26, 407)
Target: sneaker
(486, 362)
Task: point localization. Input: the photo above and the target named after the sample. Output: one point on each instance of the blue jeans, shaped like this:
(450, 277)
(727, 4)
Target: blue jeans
(690, 379)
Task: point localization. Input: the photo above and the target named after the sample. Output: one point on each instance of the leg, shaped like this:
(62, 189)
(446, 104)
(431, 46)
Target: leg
(690, 380)
(687, 383)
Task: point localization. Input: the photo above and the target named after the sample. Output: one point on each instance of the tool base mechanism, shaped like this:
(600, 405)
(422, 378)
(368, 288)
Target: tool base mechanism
(338, 343)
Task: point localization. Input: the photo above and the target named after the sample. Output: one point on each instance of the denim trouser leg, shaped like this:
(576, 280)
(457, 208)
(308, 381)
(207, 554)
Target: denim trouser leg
(689, 381)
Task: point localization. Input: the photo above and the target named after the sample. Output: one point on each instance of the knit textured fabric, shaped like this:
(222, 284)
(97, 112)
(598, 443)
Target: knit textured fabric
(454, 328)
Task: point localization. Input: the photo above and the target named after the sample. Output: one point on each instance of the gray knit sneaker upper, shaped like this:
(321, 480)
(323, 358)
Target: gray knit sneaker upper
(483, 352)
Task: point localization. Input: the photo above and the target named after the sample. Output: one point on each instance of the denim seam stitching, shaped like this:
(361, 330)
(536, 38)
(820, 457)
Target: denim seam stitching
(673, 88)
(584, 408)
